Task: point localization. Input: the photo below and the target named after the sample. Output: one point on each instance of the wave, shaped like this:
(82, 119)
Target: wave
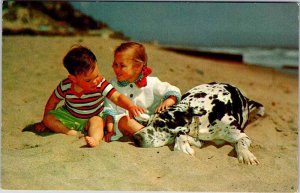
(268, 57)
(283, 59)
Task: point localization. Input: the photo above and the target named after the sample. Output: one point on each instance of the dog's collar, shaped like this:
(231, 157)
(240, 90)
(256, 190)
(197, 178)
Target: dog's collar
(194, 127)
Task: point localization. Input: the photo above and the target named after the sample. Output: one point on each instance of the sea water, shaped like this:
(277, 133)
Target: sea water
(264, 34)
(269, 57)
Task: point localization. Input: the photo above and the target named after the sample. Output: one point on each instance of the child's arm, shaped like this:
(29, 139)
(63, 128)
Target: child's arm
(171, 100)
(110, 128)
(168, 93)
(50, 105)
(124, 102)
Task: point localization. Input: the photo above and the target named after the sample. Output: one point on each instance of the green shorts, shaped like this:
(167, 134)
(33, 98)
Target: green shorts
(69, 120)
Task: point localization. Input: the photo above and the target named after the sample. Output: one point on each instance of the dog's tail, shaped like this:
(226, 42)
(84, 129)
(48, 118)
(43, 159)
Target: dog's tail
(256, 107)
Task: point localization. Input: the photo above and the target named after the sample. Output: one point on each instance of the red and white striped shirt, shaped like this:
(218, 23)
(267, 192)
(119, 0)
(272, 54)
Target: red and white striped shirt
(89, 104)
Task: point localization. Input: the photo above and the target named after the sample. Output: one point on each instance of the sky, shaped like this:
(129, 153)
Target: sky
(201, 23)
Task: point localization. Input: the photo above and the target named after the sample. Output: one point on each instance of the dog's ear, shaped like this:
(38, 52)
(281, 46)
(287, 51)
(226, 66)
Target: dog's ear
(181, 118)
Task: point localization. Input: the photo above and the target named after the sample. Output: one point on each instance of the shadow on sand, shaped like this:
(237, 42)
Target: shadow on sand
(30, 128)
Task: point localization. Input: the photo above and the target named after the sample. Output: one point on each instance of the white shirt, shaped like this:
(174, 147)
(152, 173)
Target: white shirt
(148, 97)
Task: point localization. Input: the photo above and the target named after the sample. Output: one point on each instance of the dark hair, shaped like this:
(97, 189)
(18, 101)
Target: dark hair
(79, 60)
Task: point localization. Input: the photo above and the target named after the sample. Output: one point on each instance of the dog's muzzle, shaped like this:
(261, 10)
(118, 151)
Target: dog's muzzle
(142, 138)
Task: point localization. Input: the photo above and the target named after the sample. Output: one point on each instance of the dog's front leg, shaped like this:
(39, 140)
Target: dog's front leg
(182, 144)
(243, 153)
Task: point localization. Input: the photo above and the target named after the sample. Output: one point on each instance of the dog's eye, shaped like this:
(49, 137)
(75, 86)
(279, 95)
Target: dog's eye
(159, 124)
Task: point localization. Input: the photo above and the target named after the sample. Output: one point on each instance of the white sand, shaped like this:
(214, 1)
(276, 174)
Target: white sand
(32, 67)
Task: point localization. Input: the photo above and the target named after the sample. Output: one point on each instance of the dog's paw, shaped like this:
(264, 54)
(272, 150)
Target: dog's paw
(194, 142)
(182, 144)
(245, 156)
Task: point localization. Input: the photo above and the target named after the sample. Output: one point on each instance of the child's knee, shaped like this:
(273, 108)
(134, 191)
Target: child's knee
(96, 121)
(123, 121)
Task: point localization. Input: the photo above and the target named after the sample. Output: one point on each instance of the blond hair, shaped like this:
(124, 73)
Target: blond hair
(137, 51)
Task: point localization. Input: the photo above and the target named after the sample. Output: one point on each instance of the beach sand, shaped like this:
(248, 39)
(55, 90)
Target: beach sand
(31, 69)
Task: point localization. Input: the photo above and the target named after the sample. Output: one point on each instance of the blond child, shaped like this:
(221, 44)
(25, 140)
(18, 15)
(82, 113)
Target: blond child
(133, 80)
(83, 92)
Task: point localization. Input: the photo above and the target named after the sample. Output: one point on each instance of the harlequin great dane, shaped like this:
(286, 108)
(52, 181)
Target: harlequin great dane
(215, 112)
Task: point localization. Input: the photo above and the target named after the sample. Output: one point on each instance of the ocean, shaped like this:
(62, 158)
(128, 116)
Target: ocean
(264, 34)
(269, 57)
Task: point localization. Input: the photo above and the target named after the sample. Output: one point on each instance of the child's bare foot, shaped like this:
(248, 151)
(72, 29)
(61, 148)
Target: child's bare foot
(91, 142)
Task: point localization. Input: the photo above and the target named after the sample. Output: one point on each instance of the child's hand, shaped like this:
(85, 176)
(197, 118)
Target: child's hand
(107, 137)
(39, 127)
(168, 102)
(135, 111)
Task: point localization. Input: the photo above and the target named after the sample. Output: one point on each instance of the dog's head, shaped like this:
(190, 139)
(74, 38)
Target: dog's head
(163, 127)
(152, 137)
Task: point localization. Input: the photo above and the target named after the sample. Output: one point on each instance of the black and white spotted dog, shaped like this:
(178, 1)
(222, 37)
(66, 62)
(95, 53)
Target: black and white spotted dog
(209, 112)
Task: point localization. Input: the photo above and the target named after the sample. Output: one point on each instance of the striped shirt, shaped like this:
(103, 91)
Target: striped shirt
(89, 104)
